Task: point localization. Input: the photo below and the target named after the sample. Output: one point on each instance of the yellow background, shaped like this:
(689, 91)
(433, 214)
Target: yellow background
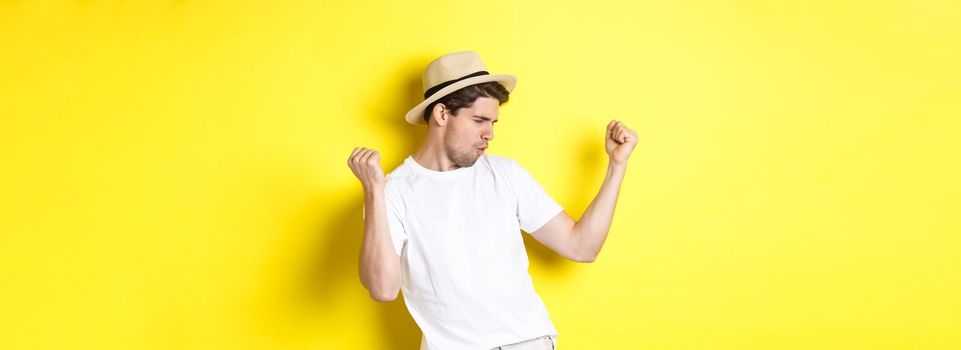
(174, 173)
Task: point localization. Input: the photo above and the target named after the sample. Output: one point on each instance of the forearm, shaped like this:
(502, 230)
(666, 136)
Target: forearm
(379, 264)
(591, 230)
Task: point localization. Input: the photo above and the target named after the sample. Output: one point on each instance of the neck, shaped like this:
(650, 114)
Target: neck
(431, 155)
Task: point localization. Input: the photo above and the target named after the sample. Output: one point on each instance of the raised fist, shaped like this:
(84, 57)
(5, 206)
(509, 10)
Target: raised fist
(365, 163)
(620, 142)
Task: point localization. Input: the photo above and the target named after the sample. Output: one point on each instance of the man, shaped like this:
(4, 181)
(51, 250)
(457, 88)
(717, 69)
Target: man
(445, 225)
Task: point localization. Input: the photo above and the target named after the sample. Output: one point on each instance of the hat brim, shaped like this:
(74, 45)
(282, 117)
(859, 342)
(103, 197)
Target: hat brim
(416, 114)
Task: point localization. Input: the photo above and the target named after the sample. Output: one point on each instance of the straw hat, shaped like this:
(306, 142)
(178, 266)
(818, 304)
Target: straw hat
(451, 72)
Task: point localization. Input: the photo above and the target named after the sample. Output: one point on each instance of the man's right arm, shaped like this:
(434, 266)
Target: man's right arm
(379, 263)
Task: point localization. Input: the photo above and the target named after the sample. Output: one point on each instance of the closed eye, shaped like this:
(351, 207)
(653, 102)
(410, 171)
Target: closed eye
(480, 118)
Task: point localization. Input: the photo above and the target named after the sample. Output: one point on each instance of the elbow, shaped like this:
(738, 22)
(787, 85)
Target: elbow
(382, 284)
(586, 254)
(384, 296)
(585, 257)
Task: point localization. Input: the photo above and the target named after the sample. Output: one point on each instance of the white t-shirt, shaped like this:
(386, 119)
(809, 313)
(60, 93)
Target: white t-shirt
(464, 267)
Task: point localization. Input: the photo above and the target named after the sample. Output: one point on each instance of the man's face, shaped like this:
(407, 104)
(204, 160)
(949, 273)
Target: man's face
(470, 131)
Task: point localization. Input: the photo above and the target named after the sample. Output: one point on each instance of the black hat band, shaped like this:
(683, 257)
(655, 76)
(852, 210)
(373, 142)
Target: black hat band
(437, 87)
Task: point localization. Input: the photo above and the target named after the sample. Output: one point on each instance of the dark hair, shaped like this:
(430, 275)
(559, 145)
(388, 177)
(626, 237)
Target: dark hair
(466, 96)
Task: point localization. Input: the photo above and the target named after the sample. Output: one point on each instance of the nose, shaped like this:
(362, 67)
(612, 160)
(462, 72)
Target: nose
(488, 134)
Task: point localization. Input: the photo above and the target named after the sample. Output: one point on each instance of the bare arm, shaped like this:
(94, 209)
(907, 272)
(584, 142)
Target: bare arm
(581, 241)
(379, 263)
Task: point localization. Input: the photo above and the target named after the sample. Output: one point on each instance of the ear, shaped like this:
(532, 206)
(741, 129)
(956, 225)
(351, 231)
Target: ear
(440, 114)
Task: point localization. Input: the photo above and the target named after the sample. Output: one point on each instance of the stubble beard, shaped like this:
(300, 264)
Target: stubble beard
(462, 159)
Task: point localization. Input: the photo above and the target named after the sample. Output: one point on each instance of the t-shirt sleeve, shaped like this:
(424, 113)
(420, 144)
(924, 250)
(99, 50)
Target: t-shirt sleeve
(398, 235)
(534, 206)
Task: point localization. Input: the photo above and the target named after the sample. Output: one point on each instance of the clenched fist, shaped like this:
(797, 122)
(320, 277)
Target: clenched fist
(365, 163)
(620, 142)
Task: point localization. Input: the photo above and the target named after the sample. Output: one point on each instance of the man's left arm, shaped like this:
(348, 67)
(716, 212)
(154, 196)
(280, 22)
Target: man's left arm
(582, 240)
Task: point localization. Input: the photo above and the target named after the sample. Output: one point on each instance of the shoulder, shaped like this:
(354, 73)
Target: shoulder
(500, 162)
(400, 172)
(506, 168)
(396, 178)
